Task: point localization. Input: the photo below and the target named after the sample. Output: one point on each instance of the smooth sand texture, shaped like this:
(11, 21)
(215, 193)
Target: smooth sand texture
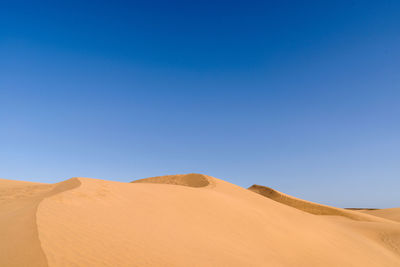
(391, 214)
(183, 220)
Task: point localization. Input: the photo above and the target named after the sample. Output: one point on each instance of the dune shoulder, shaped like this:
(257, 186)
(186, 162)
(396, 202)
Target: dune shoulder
(310, 207)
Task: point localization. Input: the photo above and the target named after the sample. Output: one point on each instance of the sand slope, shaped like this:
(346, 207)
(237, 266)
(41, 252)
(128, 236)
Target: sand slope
(19, 243)
(183, 220)
(311, 207)
(390, 214)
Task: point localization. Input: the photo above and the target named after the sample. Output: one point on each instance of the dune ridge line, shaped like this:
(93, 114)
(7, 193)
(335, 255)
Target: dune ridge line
(22, 200)
(310, 207)
(191, 180)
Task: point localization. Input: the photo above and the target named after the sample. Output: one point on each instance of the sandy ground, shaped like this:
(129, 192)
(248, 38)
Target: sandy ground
(185, 220)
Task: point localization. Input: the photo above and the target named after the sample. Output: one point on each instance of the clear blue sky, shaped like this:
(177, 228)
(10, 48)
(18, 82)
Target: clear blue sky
(302, 96)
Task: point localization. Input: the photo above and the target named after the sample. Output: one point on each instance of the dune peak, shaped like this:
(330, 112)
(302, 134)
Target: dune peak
(191, 180)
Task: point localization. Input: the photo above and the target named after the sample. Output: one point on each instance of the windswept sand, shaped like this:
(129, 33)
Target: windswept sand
(184, 220)
(311, 207)
(391, 214)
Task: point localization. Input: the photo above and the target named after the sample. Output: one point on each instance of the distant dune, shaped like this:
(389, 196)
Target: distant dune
(310, 207)
(192, 180)
(185, 220)
(391, 214)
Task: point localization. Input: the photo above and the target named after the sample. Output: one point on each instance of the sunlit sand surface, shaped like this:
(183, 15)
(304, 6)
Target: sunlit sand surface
(185, 220)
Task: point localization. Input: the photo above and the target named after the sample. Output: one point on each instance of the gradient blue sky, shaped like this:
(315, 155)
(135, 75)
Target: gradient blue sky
(302, 96)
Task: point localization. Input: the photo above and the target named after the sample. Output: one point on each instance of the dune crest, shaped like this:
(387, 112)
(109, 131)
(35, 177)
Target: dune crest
(19, 202)
(191, 180)
(308, 206)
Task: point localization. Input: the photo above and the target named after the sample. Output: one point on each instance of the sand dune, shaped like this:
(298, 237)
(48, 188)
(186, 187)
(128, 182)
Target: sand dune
(310, 207)
(182, 220)
(191, 179)
(390, 214)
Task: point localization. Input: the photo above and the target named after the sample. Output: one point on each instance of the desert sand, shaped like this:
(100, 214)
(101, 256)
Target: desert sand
(185, 220)
(391, 214)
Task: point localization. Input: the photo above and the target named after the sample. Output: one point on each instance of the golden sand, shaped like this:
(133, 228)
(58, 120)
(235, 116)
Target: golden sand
(185, 220)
